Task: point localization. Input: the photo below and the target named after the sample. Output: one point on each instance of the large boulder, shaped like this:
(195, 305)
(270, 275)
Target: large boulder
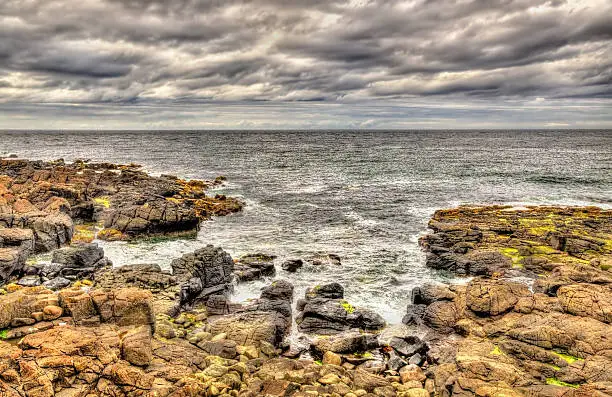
(203, 273)
(15, 246)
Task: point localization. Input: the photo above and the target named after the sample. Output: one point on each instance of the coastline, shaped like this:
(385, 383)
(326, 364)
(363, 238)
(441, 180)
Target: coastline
(492, 336)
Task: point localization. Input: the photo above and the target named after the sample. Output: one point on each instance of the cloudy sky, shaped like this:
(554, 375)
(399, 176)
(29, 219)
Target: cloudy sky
(141, 64)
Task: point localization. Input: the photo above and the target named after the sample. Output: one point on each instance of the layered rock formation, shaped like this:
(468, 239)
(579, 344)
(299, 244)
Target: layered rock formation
(495, 336)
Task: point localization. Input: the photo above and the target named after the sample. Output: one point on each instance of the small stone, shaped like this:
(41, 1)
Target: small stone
(248, 351)
(267, 348)
(38, 316)
(417, 393)
(412, 372)
(219, 337)
(52, 312)
(417, 359)
(332, 358)
(329, 379)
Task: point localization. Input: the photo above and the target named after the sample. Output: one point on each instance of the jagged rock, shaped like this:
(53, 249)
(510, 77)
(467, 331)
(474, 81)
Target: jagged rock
(323, 313)
(203, 273)
(278, 290)
(24, 302)
(408, 346)
(250, 328)
(125, 306)
(136, 346)
(430, 293)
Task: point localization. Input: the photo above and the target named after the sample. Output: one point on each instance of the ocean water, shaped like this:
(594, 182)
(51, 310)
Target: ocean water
(366, 196)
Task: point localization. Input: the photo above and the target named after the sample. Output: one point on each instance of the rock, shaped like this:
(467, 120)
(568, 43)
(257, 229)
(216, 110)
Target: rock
(52, 312)
(278, 290)
(408, 346)
(332, 358)
(29, 281)
(56, 283)
(292, 265)
(429, 293)
(23, 303)
(15, 246)
(250, 328)
(364, 380)
(345, 342)
(587, 301)
(494, 297)
(326, 291)
(136, 346)
(323, 313)
(441, 315)
(412, 373)
(77, 304)
(223, 348)
(125, 306)
(81, 255)
(254, 266)
(11, 262)
(395, 362)
(207, 271)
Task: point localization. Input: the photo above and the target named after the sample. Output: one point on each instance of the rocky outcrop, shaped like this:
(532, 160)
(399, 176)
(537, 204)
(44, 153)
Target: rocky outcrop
(204, 273)
(40, 203)
(324, 311)
(496, 336)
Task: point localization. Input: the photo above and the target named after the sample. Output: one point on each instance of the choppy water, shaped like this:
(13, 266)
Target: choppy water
(366, 196)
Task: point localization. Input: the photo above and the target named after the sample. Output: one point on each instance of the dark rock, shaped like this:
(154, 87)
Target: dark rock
(254, 266)
(278, 290)
(57, 283)
(29, 281)
(77, 256)
(416, 359)
(326, 291)
(345, 343)
(223, 348)
(323, 312)
(205, 272)
(408, 346)
(395, 362)
(430, 293)
(414, 314)
(292, 265)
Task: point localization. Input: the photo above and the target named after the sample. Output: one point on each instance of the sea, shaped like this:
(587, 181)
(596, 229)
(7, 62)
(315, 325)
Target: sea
(366, 196)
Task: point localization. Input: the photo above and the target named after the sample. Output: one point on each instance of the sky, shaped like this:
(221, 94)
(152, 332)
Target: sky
(305, 64)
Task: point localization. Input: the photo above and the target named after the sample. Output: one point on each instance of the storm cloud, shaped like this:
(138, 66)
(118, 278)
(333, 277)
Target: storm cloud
(305, 64)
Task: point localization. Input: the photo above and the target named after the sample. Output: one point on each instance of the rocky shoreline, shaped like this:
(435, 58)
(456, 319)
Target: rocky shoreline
(532, 317)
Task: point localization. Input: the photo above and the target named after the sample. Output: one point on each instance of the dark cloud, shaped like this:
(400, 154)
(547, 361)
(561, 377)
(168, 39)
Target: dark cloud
(334, 52)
